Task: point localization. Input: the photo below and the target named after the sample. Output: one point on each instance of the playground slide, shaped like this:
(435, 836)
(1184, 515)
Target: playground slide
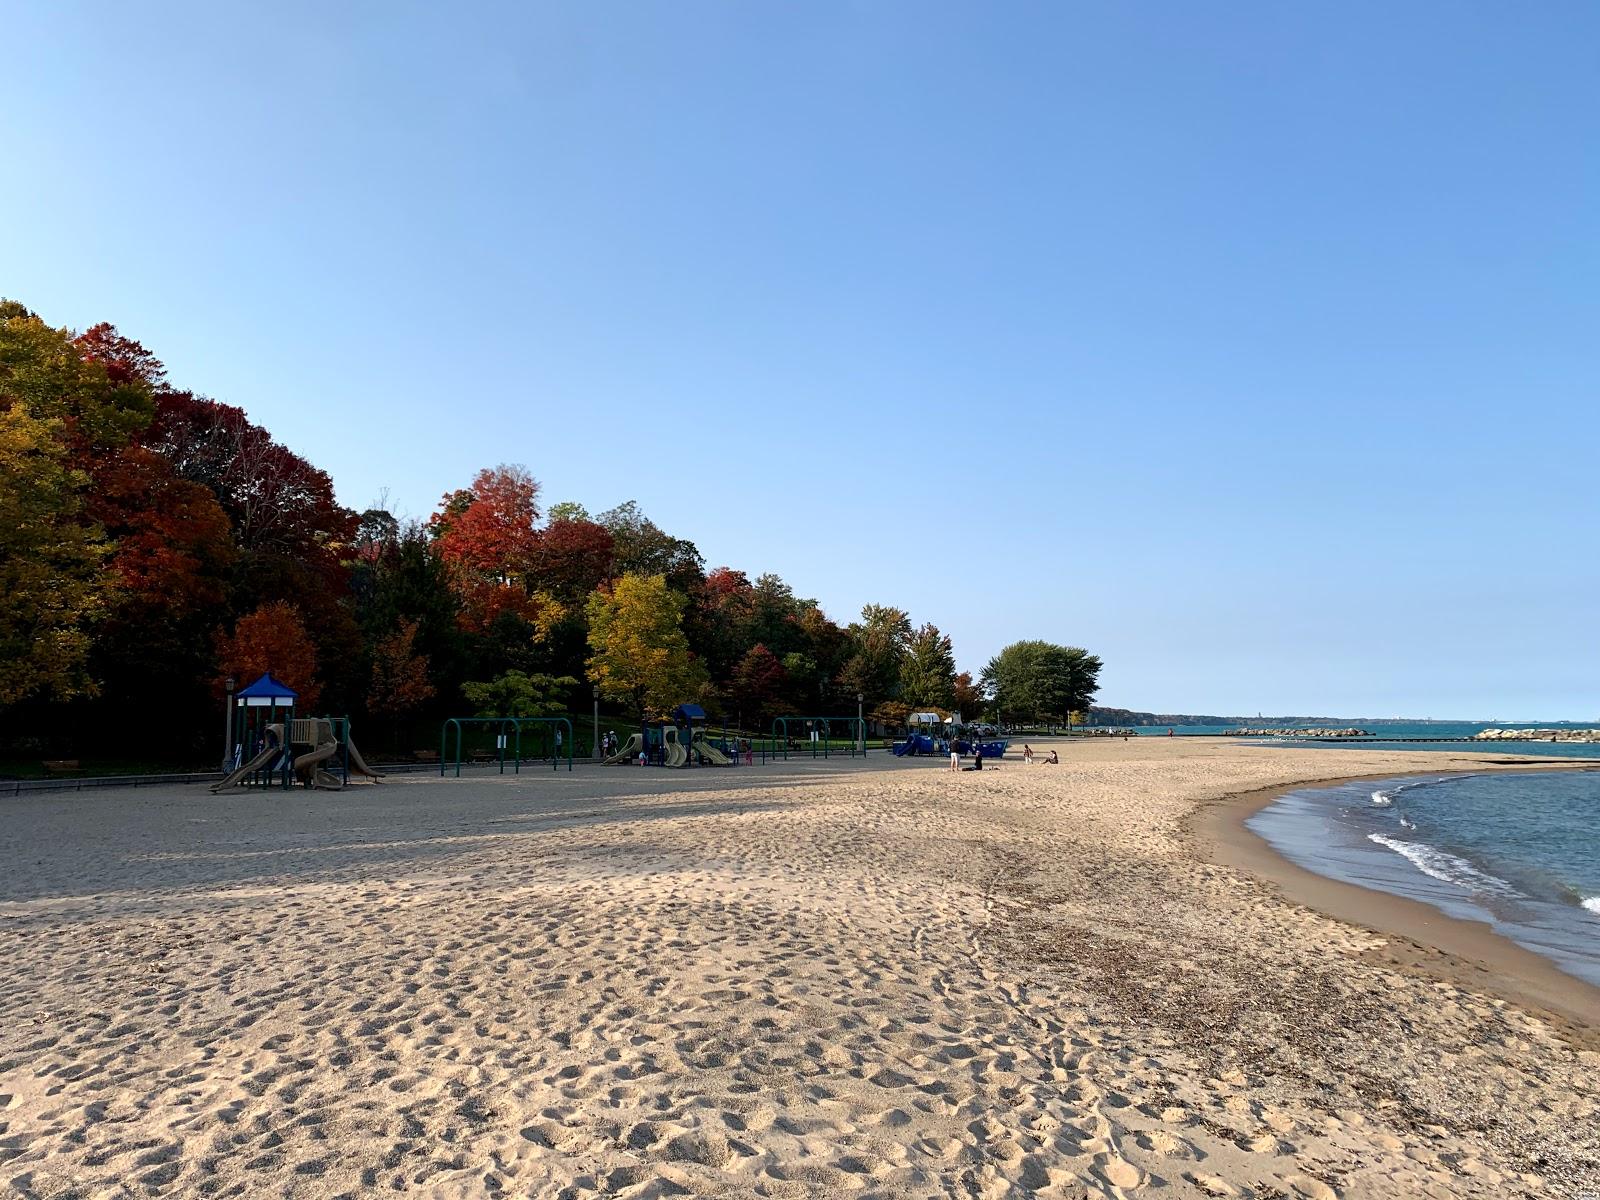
(358, 765)
(308, 770)
(265, 758)
(712, 755)
(917, 743)
(677, 756)
(629, 752)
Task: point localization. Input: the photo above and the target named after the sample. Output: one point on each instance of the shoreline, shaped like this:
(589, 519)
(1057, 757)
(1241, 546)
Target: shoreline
(1420, 938)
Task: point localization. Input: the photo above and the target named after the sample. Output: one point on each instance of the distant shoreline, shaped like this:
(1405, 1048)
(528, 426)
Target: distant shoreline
(1420, 937)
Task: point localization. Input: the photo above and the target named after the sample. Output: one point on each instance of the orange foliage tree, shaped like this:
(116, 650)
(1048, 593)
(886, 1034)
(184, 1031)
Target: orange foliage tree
(272, 638)
(399, 674)
(486, 538)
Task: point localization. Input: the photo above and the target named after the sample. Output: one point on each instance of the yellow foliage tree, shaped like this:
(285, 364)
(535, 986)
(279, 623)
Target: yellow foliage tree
(52, 564)
(638, 651)
(56, 410)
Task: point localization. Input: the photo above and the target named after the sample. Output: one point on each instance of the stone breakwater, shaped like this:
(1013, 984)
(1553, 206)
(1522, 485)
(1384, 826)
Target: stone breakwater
(1304, 733)
(1538, 735)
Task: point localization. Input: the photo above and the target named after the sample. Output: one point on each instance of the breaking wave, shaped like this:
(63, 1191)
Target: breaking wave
(1447, 868)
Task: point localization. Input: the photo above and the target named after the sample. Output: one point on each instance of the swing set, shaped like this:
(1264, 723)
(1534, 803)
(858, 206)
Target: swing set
(781, 736)
(508, 736)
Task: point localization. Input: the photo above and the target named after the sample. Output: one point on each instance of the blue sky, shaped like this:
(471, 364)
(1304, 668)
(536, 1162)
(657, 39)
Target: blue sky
(1253, 346)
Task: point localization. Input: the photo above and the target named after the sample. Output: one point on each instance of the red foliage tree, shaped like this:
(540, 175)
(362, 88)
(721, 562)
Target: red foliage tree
(173, 542)
(124, 360)
(758, 682)
(278, 501)
(486, 538)
(400, 682)
(272, 638)
(571, 558)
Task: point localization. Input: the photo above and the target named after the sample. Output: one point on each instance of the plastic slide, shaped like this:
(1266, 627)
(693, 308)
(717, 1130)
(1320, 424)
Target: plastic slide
(917, 743)
(677, 756)
(629, 752)
(308, 767)
(265, 758)
(711, 754)
(358, 765)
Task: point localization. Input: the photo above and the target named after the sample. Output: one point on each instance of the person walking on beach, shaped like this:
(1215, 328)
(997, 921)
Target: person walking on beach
(1027, 753)
(955, 758)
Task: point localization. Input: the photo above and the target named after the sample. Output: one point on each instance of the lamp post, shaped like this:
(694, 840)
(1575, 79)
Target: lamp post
(596, 690)
(227, 724)
(861, 729)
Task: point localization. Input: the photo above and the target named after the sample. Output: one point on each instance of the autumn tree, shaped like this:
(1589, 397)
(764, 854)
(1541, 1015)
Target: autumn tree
(638, 652)
(51, 564)
(279, 503)
(570, 558)
(486, 537)
(967, 696)
(758, 684)
(58, 412)
(928, 670)
(400, 675)
(272, 638)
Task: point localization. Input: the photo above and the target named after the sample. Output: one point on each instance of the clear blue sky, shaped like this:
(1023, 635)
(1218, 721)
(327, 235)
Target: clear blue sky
(1254, 346)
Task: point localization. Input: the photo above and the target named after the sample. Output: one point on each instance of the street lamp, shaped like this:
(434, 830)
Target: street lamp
(596, 690)
(227, 723)
(861, 729)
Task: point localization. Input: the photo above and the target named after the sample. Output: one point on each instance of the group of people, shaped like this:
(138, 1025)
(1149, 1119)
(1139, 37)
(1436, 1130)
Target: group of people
(1028, 756)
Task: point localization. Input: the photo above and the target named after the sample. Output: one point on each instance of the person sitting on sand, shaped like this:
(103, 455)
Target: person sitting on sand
(1052, 759)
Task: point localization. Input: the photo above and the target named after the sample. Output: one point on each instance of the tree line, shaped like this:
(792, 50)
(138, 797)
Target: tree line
(155, 543)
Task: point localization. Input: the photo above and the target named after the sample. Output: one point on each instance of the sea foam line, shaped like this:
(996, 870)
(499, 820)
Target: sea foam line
(1592, 903)
(1446, 868)
(1384, 797)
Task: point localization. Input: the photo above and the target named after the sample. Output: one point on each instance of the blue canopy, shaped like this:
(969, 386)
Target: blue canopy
(689, 712)
(266, 691)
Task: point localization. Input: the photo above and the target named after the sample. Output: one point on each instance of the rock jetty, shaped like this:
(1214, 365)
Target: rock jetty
(1538, 735)
(1300, 733)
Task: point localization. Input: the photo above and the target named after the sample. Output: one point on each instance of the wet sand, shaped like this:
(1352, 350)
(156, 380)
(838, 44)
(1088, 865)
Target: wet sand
(818, 979)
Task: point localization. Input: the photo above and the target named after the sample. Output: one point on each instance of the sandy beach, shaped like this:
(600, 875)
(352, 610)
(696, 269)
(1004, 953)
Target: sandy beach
(811, 979)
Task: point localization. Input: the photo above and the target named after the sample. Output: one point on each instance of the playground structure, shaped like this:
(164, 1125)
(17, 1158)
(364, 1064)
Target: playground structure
(680, 741)
(283, 749)
(819, 732)
(933, 733)
(508, 736)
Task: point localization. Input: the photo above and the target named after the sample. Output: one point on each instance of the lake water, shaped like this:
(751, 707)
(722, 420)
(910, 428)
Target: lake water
(1518, 850)
(1448, 735)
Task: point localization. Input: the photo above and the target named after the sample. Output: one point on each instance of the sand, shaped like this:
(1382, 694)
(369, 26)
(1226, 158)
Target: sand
(822, 979)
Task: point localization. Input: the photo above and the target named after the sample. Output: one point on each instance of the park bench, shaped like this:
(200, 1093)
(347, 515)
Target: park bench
(61, 766)
(426, 756)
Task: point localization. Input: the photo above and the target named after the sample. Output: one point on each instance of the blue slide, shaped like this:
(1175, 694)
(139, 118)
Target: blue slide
(917, 743)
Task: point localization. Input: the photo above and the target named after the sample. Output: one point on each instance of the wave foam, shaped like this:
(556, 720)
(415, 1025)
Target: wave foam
(1447, 868)
(1384, 797)
(1592, 903)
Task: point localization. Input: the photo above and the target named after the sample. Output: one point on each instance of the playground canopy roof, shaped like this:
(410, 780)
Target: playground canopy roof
(265, 692)
(926, 718)
(689, 712)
